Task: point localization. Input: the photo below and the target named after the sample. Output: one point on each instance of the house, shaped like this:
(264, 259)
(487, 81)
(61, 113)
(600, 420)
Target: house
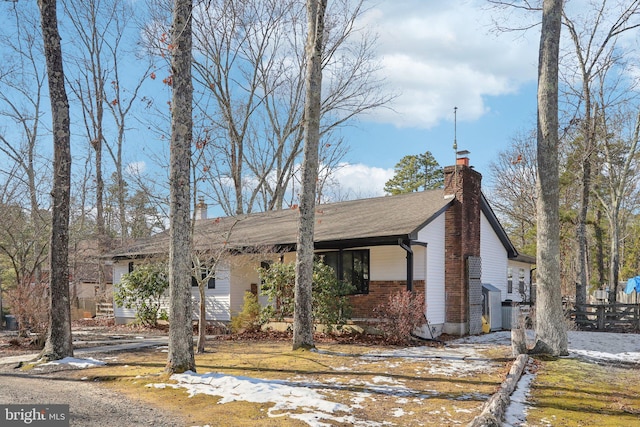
(443, 243)
(90, 279)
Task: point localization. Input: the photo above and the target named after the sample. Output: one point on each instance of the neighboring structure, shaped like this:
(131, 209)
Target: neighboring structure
(443, 243)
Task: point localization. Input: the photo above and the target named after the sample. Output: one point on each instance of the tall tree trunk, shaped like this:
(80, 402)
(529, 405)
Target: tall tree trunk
(100, 223)
(581, 229)
(614, 262)
(551, 334)
(303, 317)
(202, 318)
(59, 343)
(599, 246)
(181, 357)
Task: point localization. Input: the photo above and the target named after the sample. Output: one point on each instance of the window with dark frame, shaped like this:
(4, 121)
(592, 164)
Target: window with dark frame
(521, 281)
(211, 283)
(351, 266)
(509, 281)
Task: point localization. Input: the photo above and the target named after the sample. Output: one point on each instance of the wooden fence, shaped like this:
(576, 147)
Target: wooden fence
(608, 317)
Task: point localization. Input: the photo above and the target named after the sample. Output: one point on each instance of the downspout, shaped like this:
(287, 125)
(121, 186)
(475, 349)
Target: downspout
(407, 247)
(531, 296)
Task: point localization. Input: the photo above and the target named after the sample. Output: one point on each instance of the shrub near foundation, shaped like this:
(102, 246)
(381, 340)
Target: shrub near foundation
(331, 306)
(142, 289)
(249, 318)
(400, 315)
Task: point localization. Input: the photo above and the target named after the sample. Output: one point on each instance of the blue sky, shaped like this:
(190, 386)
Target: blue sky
(434, 55)
(439, 55)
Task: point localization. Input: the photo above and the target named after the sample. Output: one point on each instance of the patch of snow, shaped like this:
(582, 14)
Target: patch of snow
(309, 402)
(586, 345)
(398, 412)
(380, 379)
(78, 363)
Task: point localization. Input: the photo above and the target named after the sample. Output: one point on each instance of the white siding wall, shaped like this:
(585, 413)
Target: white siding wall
(390, 263)
(433, 235)
(494, 258)
(119, 269)
(515, 267)
(217, 301)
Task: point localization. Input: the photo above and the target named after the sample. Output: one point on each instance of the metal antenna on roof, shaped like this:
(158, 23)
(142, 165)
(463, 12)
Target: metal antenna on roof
(455, 129)
(455, 149)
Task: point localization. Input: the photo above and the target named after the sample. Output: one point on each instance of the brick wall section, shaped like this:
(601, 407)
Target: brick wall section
(379, 291)
(462, 237)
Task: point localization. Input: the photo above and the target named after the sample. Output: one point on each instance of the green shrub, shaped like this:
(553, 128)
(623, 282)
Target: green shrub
(142, 290)
(249, 318)
(330, 305)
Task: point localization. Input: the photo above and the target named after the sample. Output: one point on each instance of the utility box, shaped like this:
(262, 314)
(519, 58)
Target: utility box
(492, 306)
(12, 323)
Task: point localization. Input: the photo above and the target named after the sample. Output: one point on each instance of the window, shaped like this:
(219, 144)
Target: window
(211, 283)
(130, 266)
(521, 282)
(350, 266)
(509, 280)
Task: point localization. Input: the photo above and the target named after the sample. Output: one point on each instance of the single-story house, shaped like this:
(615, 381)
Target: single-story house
(444, 243)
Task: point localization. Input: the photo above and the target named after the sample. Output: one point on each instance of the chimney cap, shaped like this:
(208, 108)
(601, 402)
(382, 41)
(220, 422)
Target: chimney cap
(462, 152)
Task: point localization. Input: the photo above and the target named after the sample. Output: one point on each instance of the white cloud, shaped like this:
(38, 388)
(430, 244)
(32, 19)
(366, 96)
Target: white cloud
(360, 180)
(136, 168)
(438, 55)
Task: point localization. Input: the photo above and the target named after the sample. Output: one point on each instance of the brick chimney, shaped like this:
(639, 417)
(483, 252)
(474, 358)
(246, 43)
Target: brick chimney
(462, 244)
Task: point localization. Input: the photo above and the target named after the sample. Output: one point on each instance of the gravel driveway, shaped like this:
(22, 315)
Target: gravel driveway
(89, 404)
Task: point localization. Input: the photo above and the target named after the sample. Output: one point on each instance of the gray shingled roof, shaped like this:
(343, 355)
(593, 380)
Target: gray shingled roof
(380, 220)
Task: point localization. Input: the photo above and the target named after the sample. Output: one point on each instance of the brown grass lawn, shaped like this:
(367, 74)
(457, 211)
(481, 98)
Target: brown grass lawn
(379, 390)
(570, 392)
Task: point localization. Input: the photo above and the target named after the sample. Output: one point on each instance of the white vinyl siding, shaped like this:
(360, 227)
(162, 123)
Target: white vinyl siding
(390, 263)
(120, 269)
(217, 301)
(516, 268)
(433, 235)
(494, 258)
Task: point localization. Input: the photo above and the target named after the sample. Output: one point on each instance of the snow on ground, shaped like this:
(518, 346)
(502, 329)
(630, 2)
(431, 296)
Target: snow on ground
(590, 346)
(458, 358)
(594, 346)
(77, 363)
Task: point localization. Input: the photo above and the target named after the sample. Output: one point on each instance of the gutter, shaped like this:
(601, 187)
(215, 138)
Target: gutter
(407, 247)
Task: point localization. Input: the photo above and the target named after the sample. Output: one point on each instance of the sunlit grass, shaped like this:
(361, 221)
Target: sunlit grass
(338, 371)
(569, 392)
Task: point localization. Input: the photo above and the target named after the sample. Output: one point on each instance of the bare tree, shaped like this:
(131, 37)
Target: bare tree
(551, 333)
(513, 194)
(249, 83)
(181, 357)
(21, 103)
(617, 186)
(206, 260)
(23, 249)
(302, 314)
(88, 87)
(594, 35)
(59, 343)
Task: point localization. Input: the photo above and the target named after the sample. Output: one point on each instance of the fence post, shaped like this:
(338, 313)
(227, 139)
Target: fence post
(601, 315)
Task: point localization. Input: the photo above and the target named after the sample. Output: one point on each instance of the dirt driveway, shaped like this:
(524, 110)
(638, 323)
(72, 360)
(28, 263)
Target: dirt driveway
(89, 405)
